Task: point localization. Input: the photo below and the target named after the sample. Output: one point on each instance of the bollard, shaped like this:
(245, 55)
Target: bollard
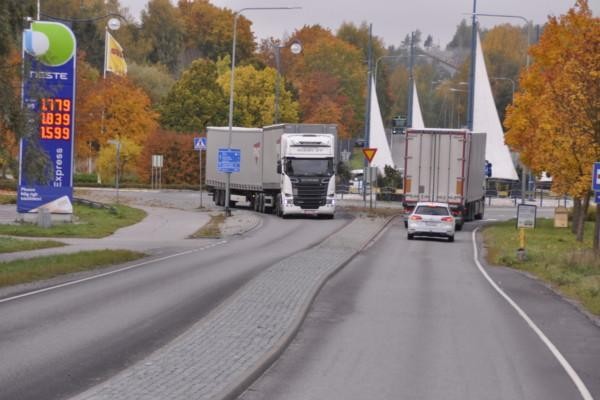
(44, 218)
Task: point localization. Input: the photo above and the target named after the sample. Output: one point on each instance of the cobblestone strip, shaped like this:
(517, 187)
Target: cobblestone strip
(223, 352)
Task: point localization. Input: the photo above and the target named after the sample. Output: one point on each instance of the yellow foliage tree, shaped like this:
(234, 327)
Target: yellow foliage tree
(129, 156)
(554, 122)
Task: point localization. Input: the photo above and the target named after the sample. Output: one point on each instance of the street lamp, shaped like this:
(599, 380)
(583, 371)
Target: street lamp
(231, 91)
(296, 48)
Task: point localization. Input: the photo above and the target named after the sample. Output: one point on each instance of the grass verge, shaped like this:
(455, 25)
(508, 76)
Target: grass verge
(39, 268)
(11, 245)
(553, 255)
(90, 223)
(212, 230)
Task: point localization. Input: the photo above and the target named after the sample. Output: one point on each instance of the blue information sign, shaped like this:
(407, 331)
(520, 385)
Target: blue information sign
(596, 177)
(46, 151)
(228, 160)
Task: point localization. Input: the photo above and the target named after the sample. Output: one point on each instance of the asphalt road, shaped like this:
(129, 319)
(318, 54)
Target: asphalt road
(58, 343)
(417, 320)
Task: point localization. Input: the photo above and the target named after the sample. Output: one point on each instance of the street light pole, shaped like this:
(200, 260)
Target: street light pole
(296, 48)
(231, 91)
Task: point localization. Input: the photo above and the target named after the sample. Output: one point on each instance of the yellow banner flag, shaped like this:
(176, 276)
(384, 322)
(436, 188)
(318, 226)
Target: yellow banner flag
(114, 58)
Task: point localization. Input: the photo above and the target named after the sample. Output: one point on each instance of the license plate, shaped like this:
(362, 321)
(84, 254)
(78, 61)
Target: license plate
(431, 223)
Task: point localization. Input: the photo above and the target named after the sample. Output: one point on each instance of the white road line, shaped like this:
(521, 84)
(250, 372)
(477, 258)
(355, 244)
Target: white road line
(585, 394)
(116, 271)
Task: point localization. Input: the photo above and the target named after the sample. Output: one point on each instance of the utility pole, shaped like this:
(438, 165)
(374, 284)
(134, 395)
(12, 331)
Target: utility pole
(368, 110)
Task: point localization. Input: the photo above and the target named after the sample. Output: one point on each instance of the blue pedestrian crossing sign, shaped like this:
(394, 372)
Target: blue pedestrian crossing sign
(596, 177)
(228, 160)
(199, 143)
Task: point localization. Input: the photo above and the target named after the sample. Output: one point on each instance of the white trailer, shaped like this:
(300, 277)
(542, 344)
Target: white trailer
(287, 168)
(446, 165)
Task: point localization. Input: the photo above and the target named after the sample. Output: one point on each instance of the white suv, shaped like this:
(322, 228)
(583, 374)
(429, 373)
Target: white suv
(431, 219)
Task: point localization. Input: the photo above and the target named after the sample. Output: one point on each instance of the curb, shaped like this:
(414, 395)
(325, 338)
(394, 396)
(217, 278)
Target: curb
(237, 388)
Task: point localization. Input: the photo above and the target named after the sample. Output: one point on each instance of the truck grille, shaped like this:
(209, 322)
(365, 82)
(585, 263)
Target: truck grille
(311, 193)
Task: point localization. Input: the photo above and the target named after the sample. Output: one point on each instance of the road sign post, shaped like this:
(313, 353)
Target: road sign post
(526, 214)
(200, 146)
(369, 155)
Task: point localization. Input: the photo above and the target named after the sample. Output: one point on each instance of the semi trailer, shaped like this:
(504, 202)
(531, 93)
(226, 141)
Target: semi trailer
(287, 169)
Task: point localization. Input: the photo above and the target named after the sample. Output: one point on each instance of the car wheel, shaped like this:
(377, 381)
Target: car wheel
(410, 237)
(451, 238)
(406, 224)
(459, 227)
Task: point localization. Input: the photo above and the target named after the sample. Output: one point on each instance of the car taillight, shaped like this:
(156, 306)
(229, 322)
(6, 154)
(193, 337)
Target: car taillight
(455, 212)
(447, 219)
(416, 218)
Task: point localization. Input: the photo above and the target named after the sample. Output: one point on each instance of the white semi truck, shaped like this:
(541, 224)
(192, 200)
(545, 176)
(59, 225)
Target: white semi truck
(445, 165)
(287, 169)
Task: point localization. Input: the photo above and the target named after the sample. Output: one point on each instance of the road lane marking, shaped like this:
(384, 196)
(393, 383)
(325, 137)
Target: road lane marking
(585, 394)
(116, 271)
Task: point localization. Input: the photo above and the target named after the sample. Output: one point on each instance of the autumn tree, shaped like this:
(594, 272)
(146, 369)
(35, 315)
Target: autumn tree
(162, 24)
(129, 158)
(86, 112)
(114, 108)
(195, 101)
(330, 70)
(180, 161)
(12, 121)
(254, 96)
(554, 122)
(154, 79)
(208, 32)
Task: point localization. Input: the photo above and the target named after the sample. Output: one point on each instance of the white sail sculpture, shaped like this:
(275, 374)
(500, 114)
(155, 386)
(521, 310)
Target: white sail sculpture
(417, 117)
(377, 138)
(485, 119)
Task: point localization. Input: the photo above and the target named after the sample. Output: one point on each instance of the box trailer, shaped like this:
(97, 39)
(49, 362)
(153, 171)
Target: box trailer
(446, 165)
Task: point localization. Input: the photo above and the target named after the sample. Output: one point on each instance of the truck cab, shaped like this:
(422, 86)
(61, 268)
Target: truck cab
(306, 168)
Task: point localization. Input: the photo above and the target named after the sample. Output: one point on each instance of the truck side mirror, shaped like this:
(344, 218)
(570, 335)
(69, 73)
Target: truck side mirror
(279, 167)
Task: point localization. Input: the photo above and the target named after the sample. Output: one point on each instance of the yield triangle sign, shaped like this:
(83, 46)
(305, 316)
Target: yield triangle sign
(369, 153)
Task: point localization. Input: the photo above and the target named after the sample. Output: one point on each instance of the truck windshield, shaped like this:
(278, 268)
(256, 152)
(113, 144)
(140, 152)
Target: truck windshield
(309, 166)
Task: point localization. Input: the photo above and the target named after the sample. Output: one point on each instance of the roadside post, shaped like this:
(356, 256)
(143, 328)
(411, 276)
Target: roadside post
(526, 214)
(157, 165)
(596, 182)
(369, 154)
(200, 146)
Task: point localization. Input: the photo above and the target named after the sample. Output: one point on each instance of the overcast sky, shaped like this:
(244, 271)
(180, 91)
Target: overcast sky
(391, 20)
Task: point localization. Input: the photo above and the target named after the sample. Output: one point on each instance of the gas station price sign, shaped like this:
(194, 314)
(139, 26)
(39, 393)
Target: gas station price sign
(56, 115)
(49, 78)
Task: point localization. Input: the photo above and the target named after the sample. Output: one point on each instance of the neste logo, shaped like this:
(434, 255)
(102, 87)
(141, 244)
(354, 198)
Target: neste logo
(51, 43)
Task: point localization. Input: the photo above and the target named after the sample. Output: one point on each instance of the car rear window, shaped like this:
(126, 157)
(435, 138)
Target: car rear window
(432, 210)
